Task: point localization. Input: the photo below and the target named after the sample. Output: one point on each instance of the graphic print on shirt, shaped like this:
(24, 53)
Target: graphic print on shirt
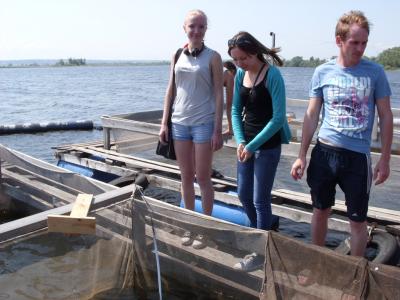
(347, 104)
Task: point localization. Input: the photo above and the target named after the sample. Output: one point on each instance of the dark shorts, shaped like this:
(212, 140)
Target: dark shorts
(351, 170)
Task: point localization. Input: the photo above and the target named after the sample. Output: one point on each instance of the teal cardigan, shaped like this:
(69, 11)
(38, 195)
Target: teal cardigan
(276, 87)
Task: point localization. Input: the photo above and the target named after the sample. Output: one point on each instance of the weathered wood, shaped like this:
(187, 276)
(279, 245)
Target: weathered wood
(20, 172)
(98, 165)
(18, 194)
(53, 172)
(107, 138)
(374, 213)
(39, 221)
(44, 191)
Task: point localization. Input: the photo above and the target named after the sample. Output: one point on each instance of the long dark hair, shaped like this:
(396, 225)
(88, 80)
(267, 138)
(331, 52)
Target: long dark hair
(249, 44)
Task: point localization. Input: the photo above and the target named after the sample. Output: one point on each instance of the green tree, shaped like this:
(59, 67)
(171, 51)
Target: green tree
(390, 58)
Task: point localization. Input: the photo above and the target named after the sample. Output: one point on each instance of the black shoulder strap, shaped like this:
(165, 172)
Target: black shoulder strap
(177, 55)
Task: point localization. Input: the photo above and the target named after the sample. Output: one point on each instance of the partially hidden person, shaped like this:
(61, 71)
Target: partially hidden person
(229, 78)
(347, 89)
(260, 127)
(196, 117)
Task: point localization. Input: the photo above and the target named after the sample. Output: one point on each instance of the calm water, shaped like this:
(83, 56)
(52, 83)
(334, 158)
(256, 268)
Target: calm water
(87, 93)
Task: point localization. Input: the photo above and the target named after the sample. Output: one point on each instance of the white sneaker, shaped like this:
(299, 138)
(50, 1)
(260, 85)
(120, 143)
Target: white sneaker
(187, 238)
(250, 263)
(199, 242)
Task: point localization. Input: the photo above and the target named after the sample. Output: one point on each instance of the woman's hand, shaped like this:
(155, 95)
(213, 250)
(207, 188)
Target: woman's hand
(242, 153)
(163, 134)
(216, 141)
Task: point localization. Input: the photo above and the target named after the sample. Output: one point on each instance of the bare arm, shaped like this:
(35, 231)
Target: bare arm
(163, 134)
(382, 168)
(217, 75)
(310, 124)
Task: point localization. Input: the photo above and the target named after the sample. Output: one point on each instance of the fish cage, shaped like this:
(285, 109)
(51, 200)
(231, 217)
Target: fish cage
(137, 253)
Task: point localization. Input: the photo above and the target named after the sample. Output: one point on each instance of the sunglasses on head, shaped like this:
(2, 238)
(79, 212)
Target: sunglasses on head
(239, 41)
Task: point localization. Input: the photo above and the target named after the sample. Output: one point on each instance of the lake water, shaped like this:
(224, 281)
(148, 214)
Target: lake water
(86, 93)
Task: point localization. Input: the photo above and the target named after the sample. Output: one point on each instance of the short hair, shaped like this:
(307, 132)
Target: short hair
(352, 17)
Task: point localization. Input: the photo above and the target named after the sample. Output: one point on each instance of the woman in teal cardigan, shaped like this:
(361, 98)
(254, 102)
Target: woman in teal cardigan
(260, 127)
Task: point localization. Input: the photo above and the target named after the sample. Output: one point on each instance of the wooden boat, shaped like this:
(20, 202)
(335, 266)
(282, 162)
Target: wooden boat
(31, 188)
(132, 152)
(158, 262)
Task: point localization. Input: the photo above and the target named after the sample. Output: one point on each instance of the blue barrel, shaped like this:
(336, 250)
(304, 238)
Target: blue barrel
(231, 213)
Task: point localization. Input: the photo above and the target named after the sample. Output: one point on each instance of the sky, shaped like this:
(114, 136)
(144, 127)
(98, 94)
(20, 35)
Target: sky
(153, 29)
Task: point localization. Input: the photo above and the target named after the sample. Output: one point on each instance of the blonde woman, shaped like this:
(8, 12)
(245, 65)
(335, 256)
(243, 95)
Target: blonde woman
(197, 115)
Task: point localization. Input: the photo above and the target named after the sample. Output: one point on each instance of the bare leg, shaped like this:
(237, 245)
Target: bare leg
(319, 225)
(359, 238)
(203, 161)
(184, 153)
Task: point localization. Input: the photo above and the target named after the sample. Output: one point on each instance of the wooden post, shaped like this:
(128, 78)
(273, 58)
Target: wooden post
(107, 138)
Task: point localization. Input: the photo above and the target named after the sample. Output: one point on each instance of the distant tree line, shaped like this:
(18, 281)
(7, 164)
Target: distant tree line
(298, 61)
(72, 62)
(389, 58)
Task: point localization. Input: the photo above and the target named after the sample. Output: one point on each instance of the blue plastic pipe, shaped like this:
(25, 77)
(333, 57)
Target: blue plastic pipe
(231, 213)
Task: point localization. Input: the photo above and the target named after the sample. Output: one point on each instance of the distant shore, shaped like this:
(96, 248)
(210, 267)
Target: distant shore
(94, 63)
(7, 64)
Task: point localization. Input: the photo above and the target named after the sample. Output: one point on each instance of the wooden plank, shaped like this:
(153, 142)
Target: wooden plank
(98, 165)
(39, 178)
(17, 194)
(77, 221)
(38, 221)
(41, 190)
(81, 205)
(67, 224)
(373, 212)
(139, 162)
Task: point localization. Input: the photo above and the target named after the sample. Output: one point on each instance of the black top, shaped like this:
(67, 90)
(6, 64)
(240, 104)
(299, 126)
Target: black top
(258, 111)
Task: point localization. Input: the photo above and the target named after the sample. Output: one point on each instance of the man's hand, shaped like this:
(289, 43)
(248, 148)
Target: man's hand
(298, 168)
(381, 171)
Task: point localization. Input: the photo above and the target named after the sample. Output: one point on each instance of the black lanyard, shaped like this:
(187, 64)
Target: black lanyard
(255, 81)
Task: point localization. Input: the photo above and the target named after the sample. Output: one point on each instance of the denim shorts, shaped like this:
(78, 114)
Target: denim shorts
(331, 166)
(197, 133)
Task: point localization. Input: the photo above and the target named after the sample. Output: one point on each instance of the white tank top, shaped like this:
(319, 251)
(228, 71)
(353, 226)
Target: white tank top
(195, 100)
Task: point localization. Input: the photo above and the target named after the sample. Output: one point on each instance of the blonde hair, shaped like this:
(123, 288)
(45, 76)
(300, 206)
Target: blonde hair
(196, 12)
(348, 19)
